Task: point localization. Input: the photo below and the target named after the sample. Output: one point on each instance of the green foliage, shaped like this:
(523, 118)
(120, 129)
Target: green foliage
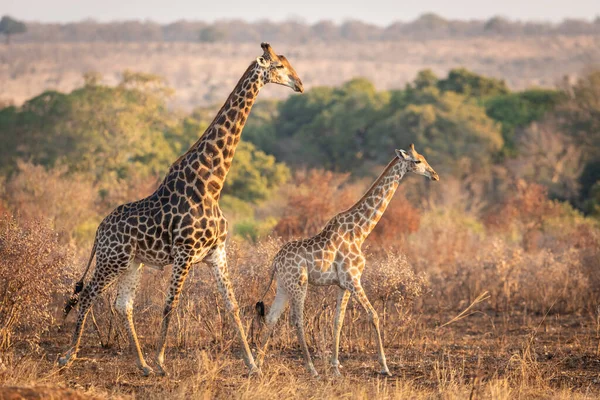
(517, 110)
(463, 81)
(350, 127)
(253, 230)
(254, 174)
(326, 127)
(10, 26)
(122, 132)
(96, 129)
(449, 129)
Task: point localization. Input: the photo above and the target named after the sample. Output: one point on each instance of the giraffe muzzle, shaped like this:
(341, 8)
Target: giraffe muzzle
(298, 87)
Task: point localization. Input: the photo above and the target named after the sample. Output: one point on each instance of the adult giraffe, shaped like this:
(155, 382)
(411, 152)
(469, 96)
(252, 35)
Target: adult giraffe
(181, 222)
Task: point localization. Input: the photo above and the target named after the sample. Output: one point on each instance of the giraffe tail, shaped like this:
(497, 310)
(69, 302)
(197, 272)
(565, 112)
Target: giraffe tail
(260, 305)
(74, 298)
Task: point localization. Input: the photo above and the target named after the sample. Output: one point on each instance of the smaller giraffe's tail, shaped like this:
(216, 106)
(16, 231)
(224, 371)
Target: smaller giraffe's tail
(74, 298)
(260, 306)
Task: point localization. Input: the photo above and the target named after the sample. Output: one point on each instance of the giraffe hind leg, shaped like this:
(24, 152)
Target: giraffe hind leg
(277, 308)
(103, 277)
(218, 261)
(127, 285)
(342, 302)
(297, 316)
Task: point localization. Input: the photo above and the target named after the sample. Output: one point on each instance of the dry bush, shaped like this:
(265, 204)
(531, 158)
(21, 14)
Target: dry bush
(33, 268)
(65, 201)
(550, 157)
(114, 192)
(400, 219)
(314, 198)
(525, 209)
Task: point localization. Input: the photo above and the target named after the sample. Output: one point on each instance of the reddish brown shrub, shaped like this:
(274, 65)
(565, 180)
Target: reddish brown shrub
(311, 200)
(400, 219)
(528, 207)
(32, 270)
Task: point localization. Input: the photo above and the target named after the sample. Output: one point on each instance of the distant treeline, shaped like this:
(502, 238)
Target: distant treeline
(427, 26)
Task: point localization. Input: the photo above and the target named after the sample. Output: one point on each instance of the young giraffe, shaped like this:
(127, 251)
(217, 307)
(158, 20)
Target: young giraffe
(181, 222)
(334, 257)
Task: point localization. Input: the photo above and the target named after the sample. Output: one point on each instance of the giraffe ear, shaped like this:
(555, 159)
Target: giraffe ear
(403, 155)
(262, 62)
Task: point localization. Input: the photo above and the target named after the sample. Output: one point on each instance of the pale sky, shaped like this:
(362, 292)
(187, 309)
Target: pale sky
(380, 12)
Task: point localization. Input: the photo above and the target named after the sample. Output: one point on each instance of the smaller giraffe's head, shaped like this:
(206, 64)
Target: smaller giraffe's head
(277, 69)
(417, 163)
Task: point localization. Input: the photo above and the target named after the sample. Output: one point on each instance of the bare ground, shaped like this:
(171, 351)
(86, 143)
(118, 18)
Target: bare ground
(507, 355)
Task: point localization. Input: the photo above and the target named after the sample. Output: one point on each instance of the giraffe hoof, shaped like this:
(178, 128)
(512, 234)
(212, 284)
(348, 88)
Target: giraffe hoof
(255, 372)
(337, 373)
(385, 372)
(65, 362)
(161, 371)
(147, 371)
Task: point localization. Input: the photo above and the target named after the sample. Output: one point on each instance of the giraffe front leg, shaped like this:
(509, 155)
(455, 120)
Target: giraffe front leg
(340, 311)
(181, 267)
(364, 301)
(218, 261)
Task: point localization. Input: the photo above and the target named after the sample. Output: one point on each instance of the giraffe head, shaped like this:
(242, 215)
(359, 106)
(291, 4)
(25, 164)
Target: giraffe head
(417, 163)
(277, 69)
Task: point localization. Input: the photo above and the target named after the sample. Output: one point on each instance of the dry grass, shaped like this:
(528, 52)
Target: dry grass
(191, 68)
(535, 334)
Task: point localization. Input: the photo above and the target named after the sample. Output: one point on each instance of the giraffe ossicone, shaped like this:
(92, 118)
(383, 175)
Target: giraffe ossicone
(334, 257)
(180, 223)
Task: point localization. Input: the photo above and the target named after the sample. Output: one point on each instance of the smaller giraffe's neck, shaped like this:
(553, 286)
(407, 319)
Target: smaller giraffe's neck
(209, 159)
(374, 202)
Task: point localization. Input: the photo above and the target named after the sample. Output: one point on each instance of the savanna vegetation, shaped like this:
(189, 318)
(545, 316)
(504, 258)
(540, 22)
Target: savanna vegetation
(487, 283)
(426, 26)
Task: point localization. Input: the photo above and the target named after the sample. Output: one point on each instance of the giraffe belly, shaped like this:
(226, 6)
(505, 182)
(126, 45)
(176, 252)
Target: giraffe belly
(155, 258)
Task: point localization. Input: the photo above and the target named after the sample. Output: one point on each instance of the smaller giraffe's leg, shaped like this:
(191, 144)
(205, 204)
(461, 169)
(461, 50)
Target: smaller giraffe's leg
(340, 311)
(218, 261)
(126, 290)
(358, 291)
(97, 285)
(297, 316)
(181, 267)
(279, 304)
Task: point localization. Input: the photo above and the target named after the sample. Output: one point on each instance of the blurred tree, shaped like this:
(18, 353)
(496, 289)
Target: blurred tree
(549, 157)
(501, 26)
(254, 174)
(212, 34)
(10, 26)
(463, 81)
(518, 110)
(96, 129)
(580, 117)
(450, 129)
(581, 111)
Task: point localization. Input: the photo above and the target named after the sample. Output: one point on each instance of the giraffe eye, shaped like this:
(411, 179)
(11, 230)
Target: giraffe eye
(418, 162)
(280, 66)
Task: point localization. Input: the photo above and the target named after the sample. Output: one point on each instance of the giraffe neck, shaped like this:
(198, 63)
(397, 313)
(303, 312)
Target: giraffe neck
(207, 162)
(374, 202)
